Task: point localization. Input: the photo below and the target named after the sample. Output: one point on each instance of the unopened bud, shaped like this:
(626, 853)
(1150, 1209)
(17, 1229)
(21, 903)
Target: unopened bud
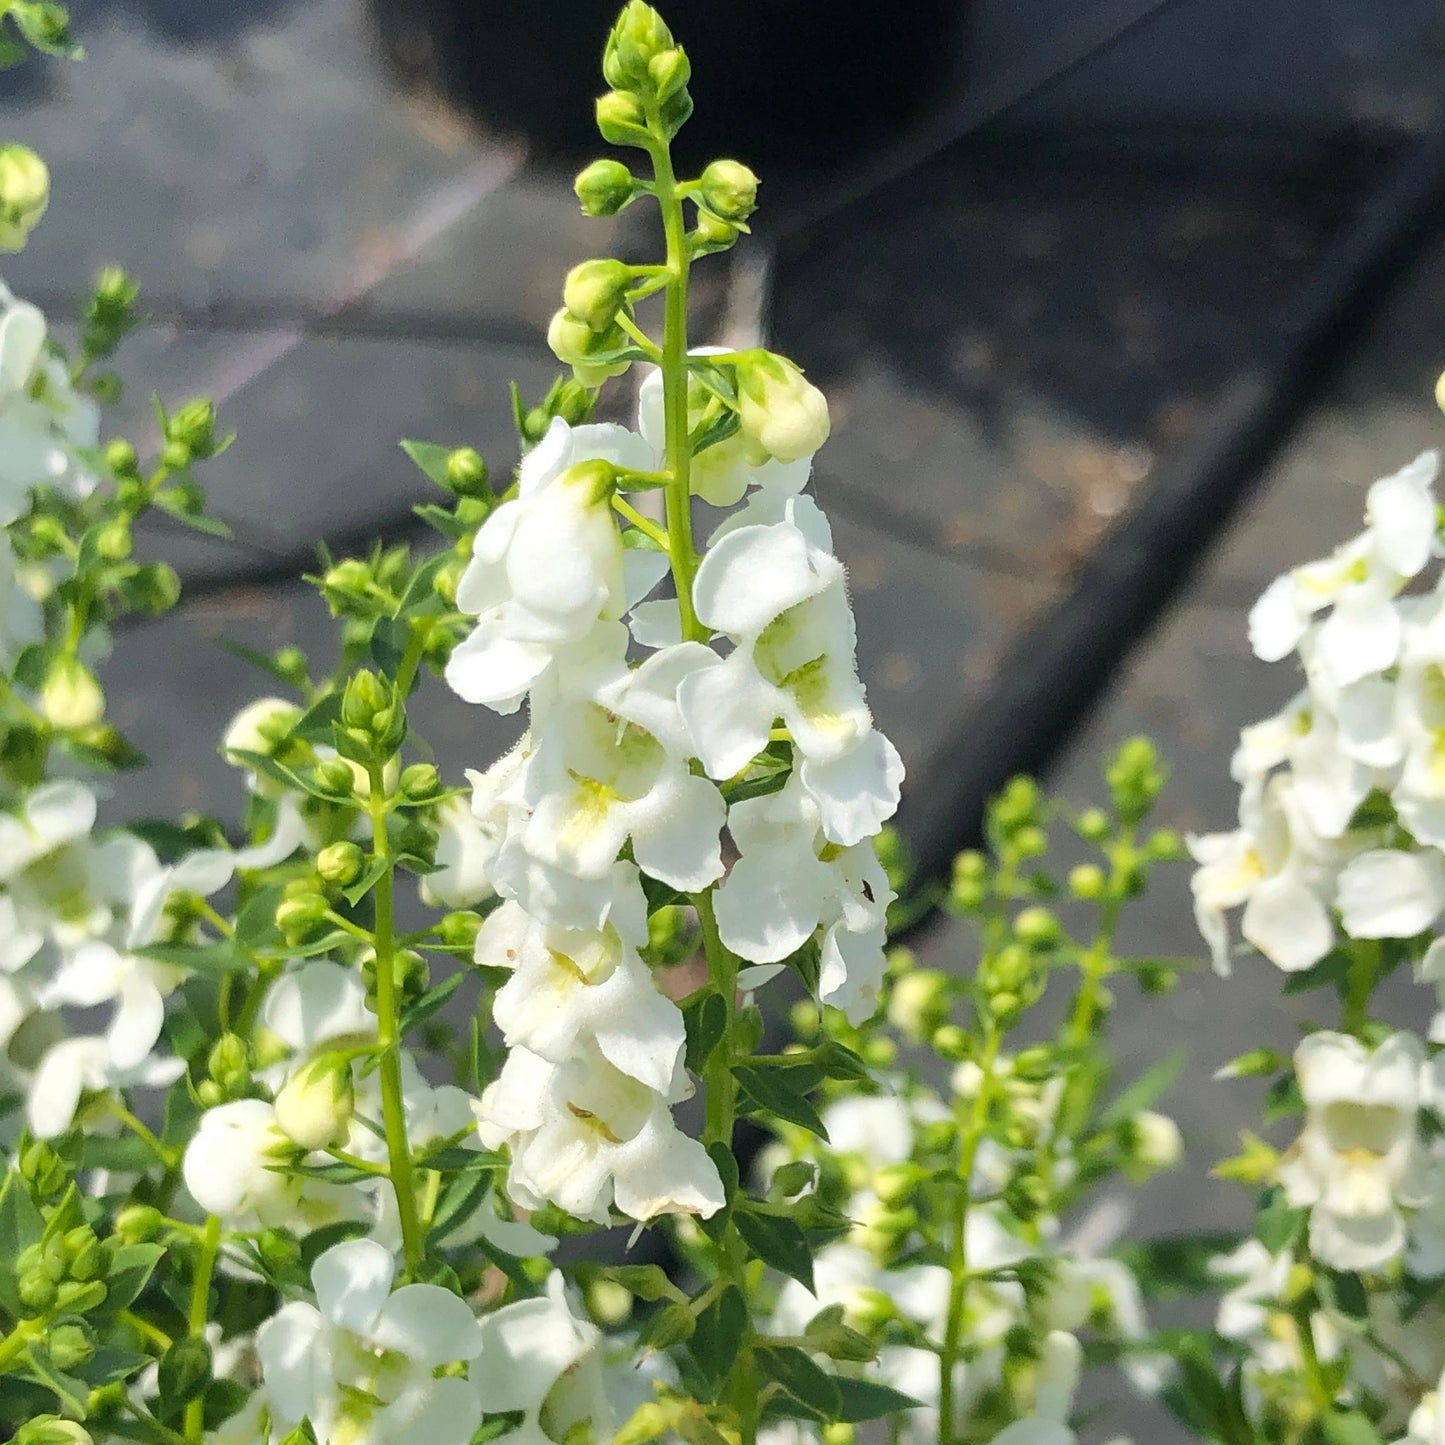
(1087, 882)
(229, 1062)
(340, 864)
(596, 291)
(43, 1170)
(713, 234)
(919, 1002)
(621, 119)
(336, 776)
(260, 727)
(575, 343)
(780, 412)
(121, 458)
(466, 472)
(605, 187)
(24, 195)
(314, 1107)
(639, 36)
(70, 1345)
(139, 1223)
(52, 1430)
(420, 781)
(669, 72)
(459, 930)
(71, 698)
(296, 917)
(1153, 1141)
(194, 427)
(729, 190)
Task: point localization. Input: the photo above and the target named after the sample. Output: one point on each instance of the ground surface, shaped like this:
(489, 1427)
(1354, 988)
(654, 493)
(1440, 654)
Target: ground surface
(1015, 341)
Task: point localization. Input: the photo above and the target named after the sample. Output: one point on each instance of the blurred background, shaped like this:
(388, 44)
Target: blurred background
(1121, 304)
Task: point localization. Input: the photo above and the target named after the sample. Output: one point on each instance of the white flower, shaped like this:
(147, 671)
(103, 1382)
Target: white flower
(1389, 894)
(258, 728)
(539, 1358)
(1278, 868)
(584, 1135)
(1359, 582)
(780, 596)
(320, 1004)
(464, 854)
(547, 565)
(790, 880)
(722, 473)
(1056, 1379)
(359, 1363)
(1257, 1281)
(43, 419)
(588, 984)
(1355, 1162)
(780, 412)
(614, 768)
(227, 1164)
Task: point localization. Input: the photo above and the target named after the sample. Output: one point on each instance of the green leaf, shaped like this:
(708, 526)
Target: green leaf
(335, 1172)
(772, 1091)
(370, 877)
(287, 777)
(802, 1377)
(726, 1164)
(719, 1336)
(778, 1242)
(20, 1227)
(460, 1198)
(1277, 1225)
(1146, 1090)
(1351, 1428)
(262, 661)
(636, 540)
(1349, 1295)
(130, 1270)
(315, 724)
(431, 1002)
(220, 957)
(431, 458)
(706, 1021)
(863, 1400)
(1177, 1265)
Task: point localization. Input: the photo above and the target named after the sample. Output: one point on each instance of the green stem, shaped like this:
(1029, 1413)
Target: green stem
(14, 1344)
(970, 1138)
(1366, 957)
(674, 385)
(393, 1108)
(195, 1421)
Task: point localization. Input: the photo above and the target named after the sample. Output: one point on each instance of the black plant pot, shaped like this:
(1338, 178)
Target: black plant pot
(806, 82)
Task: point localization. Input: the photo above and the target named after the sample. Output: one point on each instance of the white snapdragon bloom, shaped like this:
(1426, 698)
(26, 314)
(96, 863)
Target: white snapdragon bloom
(1278, 868)
(1056, 1379)
(464, 854)
(1356, 1162)
(583, 1135)
(321, 1005)
(585, 984)
(539, 1358)
(613, 768)
(43, 419)
(1358, 583)
(721, 474)
(790, 880)
(547, 566)
(781, 597)
(227, 1164)
(1387, 893)
(360, 1363)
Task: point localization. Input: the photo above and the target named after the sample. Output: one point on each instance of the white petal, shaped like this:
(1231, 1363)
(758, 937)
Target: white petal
(770, 905)
(428, 1324)
(1388, 894)
(323, 1001)
(663, 1171)
(729, 710)
(1287, 923)
(137, 1022)
(857, 792)
(1362, 634)
(638, 1029)
(56, 1088)
(352, 1281)
(1358, 1242)
(1401, 512)
(1277, 621)
(491, 668)
(657, 624)
(752, 575)
(287, 1344)
(451, 1412)
(678, 839)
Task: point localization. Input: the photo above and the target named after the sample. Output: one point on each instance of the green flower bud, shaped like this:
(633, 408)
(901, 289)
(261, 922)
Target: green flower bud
(296, 917)
(605, 187)
(155, 588)
(1165, 846)
(175, 456)
(459, 930)
(89, 1257)
(315, 1106)
(952, 1043)
(229, 1063)
(24, 195)
(1087, 882)
(43, 1170)
(780, 412)
(596, 291)
(70, 1344)
(638, 37)
(1094, 825)
(139, 1223)
(792, 1178)
(871, 1308)
(340, 864)
(335, 776)
(37, 1291)
(1017, 806)
(467, 472)
(70, 697)
(669, 72)
(1034, 1065)
(621, 120)
(1031, 842)
(371, 709)
(575, 343)
(1036, 927)
(1151, 1142)
(114, 540)
(52, 1430)
(712, 234)
(839, 1432)
(420, 782)
(879, 1052)
(121, 458)
(114, 298)
(919, 1002)
(280, 1251)
(1135, 778)
(895, 1184)
(729, 190)
(194, 427)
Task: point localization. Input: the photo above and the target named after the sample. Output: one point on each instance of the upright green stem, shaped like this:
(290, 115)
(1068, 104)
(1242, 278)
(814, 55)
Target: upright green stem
(1366, 957)
(195, 1420)
(720, 1086)
(393, 1108)
(971, 1135)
